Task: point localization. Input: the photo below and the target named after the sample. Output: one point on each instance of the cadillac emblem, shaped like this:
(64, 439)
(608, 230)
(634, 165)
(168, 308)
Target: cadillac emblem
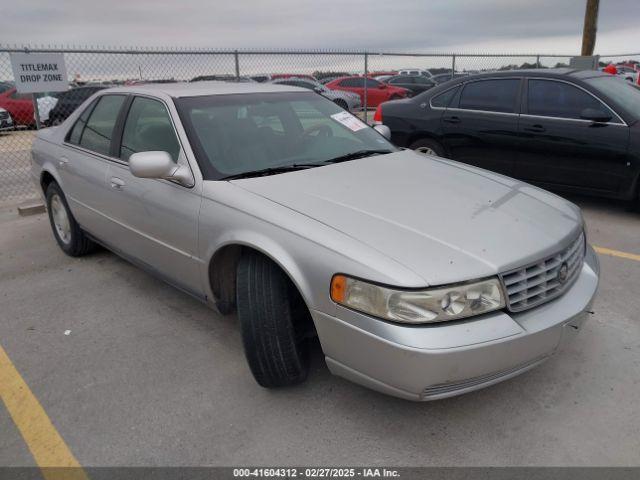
(563, 273)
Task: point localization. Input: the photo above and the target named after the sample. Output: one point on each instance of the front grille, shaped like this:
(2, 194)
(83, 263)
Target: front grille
(541, 281)
(4, 115)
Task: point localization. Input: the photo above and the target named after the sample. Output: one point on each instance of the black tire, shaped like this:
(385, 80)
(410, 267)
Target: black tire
(77, 244)
(342, 104)
(425, 144)
(274, 322)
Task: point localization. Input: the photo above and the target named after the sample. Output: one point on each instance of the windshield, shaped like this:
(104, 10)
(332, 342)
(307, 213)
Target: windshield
(620, 91)
(235, 134)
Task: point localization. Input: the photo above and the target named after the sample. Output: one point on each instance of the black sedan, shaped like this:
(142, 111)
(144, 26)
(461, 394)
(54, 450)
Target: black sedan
(70, 100)
(445, 77)
(568, 130)
(415, 83)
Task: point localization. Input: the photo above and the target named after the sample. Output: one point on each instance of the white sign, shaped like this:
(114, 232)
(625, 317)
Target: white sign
(352, 123)
(39, 72)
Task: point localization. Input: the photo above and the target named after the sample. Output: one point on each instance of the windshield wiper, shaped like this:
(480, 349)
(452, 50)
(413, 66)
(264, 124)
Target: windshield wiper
(355, 155)
(263, 172)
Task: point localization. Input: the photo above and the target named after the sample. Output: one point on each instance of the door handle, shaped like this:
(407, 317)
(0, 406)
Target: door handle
(535, 129)
(117, 183)
(63, 162)
(452, 119)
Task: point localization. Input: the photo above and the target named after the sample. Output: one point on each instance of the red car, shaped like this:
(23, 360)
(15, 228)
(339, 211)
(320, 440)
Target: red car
(19, 106)
(377, 92)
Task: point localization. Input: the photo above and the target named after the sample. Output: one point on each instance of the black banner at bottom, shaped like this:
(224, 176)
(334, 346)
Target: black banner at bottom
(404, 473)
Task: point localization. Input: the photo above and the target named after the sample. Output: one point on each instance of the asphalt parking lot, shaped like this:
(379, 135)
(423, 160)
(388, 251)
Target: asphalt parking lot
(132, 372)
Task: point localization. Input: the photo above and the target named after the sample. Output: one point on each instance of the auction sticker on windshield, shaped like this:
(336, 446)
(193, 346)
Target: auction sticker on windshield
(352, 123)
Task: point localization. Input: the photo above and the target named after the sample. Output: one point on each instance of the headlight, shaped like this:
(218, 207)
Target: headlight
(418, 306)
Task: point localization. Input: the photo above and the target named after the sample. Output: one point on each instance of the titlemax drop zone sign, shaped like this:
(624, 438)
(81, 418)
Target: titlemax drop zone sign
(39, 72)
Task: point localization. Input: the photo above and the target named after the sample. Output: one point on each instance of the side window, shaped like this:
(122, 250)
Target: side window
(98, 131)
(444, 99)
(148, 128)
(490, 95)
(371, 83)
(20, 96)
(304, 84)
(558, 99)
(423, 81)
(351, 82)
(78, 127)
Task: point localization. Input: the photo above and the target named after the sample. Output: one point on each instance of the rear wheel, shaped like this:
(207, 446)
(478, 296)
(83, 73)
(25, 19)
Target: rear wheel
(428, 146)
(274, 320)
(70, 237)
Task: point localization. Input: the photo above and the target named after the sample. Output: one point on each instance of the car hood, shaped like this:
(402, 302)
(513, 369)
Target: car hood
(443, 220)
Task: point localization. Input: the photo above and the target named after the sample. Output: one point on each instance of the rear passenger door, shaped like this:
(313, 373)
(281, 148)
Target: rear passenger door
(480, 126)
(155, 221)
(84, 161)
(562, 150)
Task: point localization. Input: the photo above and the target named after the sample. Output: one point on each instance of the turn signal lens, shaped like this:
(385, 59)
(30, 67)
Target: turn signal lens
(338, 288)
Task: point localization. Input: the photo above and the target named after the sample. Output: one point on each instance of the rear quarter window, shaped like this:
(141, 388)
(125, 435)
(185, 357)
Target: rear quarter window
(442, 100)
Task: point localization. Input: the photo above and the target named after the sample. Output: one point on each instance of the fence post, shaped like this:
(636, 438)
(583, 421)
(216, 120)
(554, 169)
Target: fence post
(237, 62)
(453, 66)
(36, 110)
(366, 75)
(538, 61)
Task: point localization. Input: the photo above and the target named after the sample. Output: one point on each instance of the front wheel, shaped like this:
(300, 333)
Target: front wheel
(274, 322)
(427, 146)
(68, 234)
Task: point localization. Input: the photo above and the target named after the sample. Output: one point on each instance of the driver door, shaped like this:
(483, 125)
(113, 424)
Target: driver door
(560, 149)
(156, 220)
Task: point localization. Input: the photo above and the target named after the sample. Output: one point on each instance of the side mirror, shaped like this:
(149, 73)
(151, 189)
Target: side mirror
(383, 130)
(159, 165)
(382, 85)
(595, 115)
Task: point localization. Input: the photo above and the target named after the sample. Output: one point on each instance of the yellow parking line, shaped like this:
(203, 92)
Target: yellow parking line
(42, 438)
(617, 253)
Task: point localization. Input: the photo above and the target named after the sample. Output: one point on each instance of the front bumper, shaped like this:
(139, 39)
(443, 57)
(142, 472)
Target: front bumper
(430, 362)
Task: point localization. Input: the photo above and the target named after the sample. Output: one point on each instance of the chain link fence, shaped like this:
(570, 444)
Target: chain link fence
(92, 69)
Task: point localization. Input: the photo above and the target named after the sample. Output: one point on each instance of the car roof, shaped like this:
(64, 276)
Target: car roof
(198, 89)
(541, 72)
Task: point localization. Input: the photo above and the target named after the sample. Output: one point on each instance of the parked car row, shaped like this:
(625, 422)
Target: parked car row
(347, 100)
(56, 107)
(567, 130)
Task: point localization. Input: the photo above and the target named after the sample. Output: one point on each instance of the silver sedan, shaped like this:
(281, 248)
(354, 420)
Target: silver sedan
(347, 100)
(421, 277)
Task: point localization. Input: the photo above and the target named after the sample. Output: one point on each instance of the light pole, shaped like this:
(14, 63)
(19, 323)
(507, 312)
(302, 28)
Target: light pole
(590, 27)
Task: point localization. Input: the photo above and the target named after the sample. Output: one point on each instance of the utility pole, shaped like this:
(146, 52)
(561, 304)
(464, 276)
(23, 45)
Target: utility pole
(590, 27)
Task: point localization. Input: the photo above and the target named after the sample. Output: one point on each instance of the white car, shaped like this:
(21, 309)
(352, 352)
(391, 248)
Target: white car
(415, 71)
(6, 122)
(627, 73)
